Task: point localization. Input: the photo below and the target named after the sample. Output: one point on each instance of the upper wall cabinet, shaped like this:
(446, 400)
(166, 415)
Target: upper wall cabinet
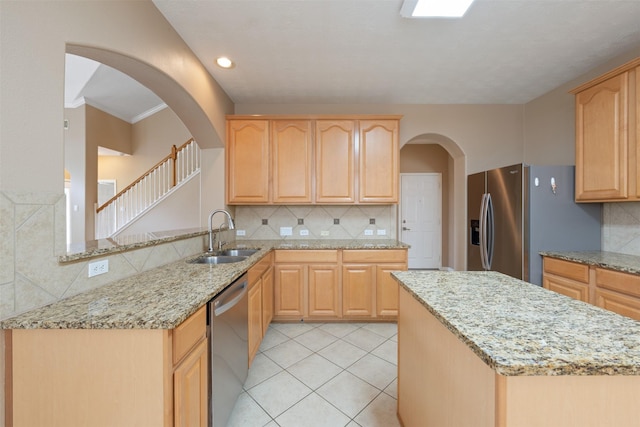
(291, 167)
(335, 161)
(607, 137)
(312, 160)
(379, 161)
(247, 156)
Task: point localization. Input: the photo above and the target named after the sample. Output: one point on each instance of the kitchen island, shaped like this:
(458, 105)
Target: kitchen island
(484, 349)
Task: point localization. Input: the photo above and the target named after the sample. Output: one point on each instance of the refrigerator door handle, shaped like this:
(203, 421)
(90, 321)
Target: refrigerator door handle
(483, 231)
(490, 231)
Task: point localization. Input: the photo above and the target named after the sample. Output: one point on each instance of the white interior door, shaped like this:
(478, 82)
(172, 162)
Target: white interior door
(421, 218)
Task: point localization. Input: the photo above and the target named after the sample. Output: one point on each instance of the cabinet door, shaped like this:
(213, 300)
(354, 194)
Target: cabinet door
(379, 161)
(255, 319)
(324, 291)
(602, 117)
(267, 299)
(335, 161)
(291, 166)
(570, 288)
(288, 291)
(358, 284)
(247, 161)
(619, 303)
(387, 289)
(190, 383)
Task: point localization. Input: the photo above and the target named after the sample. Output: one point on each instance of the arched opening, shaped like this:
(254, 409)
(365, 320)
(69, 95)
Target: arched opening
(89, 129)
(435, 153)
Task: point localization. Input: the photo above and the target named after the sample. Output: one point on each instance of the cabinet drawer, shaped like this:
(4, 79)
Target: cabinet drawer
(306, 256)
(567, 269)
(188, 333)
(374, 255)
(259, 268)
(566, 287)
(617, 281)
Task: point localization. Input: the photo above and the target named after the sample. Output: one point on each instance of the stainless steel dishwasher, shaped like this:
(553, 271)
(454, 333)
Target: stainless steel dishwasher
(228, 316)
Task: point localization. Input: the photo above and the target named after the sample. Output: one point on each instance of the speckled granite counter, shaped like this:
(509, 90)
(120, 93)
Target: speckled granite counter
(518, 328)
(163, 297)
(611, 260)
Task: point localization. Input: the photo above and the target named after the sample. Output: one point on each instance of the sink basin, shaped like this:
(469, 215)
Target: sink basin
(217, 259)
(237, 252)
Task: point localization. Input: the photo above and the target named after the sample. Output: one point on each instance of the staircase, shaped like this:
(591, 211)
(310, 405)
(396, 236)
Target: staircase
(169, 174)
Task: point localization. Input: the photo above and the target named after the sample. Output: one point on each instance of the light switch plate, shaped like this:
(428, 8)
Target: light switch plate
(240, 233)
(324, 233)
(286, 231)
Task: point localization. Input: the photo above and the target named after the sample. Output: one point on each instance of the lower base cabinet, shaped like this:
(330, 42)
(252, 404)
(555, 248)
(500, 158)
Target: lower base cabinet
(260, 300)
(108, 377)
(612, 290)
(349, 284)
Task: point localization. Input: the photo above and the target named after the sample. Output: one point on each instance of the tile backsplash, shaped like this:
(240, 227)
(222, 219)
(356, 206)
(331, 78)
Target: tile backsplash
(621, 228)
(32, 235)
(316, 222)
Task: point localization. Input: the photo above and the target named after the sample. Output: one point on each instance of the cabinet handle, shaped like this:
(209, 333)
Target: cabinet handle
(406, 229)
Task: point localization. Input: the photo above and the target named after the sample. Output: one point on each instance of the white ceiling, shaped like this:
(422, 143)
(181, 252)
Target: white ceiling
(363, 51)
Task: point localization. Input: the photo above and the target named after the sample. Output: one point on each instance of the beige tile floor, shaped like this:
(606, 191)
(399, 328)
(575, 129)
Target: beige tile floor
(322, 374)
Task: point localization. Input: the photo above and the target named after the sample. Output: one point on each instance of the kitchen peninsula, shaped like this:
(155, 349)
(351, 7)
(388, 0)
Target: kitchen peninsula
(484, 349)
(126, 353)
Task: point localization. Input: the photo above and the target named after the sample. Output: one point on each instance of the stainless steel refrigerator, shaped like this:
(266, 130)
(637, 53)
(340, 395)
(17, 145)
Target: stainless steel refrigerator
(517, 211)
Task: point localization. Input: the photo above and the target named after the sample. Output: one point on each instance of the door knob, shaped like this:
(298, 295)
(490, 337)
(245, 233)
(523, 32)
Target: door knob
(406, 229)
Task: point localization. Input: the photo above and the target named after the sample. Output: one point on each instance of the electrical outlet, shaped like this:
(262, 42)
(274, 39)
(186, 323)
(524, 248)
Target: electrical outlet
(240, 233)
(304, 232)
(368, 232)
(98, 267)
(324, 233)
(382, 232)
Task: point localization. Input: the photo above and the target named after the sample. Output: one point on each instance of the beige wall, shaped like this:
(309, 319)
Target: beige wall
(549, 128)
(105, 130)
(426, 158)
(35, 36)
(151, 141)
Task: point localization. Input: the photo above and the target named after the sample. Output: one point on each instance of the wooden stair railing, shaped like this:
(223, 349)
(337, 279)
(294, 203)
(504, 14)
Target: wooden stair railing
(149, 188)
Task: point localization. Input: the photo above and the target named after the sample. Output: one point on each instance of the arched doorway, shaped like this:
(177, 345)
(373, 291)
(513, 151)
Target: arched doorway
(437, 154)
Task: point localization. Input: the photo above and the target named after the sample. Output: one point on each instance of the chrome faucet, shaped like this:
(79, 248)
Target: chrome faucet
(230, 226)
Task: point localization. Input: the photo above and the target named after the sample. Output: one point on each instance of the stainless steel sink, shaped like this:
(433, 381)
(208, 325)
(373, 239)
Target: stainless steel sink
(217, 259)
(237, 252)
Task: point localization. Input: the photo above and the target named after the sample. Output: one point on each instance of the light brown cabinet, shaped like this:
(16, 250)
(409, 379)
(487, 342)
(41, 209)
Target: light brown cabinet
(121, 376)
(368, 288)
(312, 160)
(335, 161)
(306, 284)
(607, 139)
(349, 284)
(567, 278)
(612, 290)
(247, 161)
(260, 301)
(379, 161)
(291, 161)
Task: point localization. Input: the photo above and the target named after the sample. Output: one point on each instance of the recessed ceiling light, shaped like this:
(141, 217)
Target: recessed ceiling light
(224, 62)
(435, 8)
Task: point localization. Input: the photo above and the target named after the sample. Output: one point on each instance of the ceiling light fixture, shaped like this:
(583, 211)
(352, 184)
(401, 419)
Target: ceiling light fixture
(224, 62)
(434, 8)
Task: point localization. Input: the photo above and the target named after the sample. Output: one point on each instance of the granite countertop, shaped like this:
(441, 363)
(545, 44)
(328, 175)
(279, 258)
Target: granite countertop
(611, 260)
(518, 328)
(164, 297)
